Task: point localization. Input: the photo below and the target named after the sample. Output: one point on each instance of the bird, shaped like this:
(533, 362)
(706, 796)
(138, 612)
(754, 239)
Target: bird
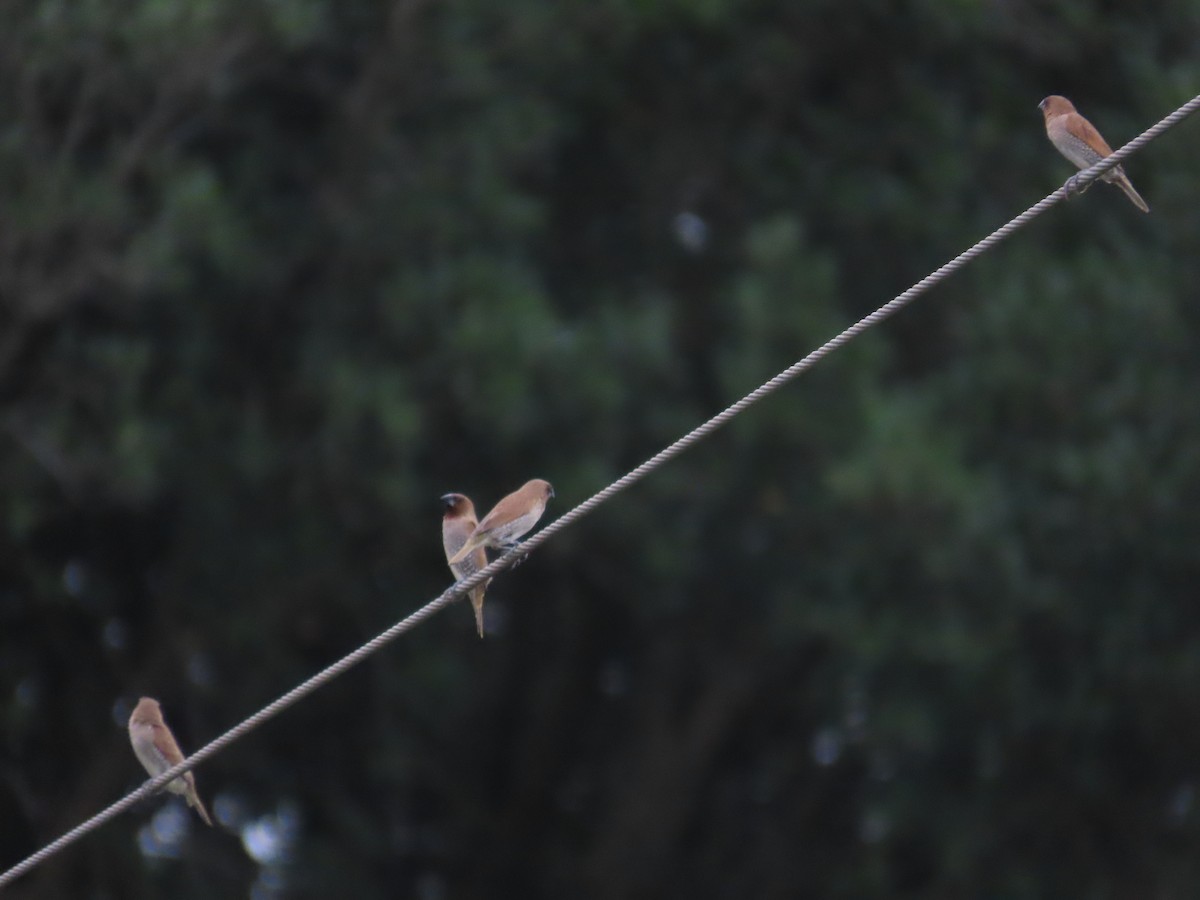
(458, 522)
(156, 749)
(1078, 140)
(509, 519)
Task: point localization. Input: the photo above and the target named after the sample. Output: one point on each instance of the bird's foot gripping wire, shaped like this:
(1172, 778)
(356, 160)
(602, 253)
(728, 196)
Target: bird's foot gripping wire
(1072, 186)
(513, 545)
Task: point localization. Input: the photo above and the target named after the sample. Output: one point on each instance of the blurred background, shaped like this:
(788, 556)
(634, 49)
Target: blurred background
(275, 276)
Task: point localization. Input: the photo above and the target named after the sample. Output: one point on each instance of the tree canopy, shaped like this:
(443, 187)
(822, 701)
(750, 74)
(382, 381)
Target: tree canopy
(275, 277)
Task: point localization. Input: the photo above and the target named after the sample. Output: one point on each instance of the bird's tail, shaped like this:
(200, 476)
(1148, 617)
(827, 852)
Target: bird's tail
(1122, 181)
(477, 604)
(193, 800)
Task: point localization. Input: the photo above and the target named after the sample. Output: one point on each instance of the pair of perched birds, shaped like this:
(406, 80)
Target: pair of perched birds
(464, 538)
(1078, 140)
(465, 542)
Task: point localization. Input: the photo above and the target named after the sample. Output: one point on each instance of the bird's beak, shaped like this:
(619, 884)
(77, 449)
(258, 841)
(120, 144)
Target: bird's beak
(551, 492)
(447, 499)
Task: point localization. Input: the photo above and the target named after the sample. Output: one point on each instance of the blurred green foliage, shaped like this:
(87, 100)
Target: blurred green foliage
(274, 277)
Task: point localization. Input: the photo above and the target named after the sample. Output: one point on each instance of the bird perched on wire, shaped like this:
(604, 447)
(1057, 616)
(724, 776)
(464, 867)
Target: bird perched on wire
(156, 748)
(458, 521)
(1077, 140)
(508, 520)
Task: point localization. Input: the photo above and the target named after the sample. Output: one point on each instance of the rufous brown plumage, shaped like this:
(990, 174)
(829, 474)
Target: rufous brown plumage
(156, 749)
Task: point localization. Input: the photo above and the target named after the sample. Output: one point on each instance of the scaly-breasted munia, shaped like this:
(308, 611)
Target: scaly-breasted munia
(457, 524)
(156, 748)
(1081, 143)
(509, 519)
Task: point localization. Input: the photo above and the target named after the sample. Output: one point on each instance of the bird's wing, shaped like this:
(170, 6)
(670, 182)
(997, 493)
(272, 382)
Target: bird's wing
(164, 743)
(509, 508)
(1082, 129)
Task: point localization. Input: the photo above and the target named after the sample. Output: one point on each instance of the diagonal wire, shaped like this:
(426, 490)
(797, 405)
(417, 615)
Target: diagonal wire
(459, 589)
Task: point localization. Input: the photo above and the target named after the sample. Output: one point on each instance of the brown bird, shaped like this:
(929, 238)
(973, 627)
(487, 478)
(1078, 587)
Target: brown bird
(1081, 143)
(156, 748)
(509, 519)
(457, 524)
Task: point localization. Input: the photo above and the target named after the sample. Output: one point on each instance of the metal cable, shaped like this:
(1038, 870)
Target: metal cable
(459, 589)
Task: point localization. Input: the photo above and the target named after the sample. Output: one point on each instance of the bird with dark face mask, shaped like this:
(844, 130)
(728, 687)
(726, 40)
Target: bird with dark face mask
(458, 523)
